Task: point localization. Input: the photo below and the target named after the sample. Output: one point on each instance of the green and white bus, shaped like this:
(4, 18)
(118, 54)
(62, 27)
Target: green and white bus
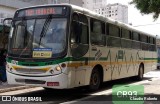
(66, 46)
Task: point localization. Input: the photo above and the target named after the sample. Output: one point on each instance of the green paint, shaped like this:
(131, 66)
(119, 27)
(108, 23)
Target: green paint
(120, 55)
(128, 94)
(150, 58)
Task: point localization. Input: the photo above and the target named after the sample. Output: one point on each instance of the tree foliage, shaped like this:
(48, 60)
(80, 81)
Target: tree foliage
(148, 6)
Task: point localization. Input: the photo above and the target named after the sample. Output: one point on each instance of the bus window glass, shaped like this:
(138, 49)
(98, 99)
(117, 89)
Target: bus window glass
(79, 35)
(22, 37)
(135, 36)
(125, 33)
(126, 43)
(39, 33)
(144, 46)
(55, 37)
(152, 47)
(19, 38)
(113, 41)
(97, 32)
(136, 45)
(113, 30)
(158, 49)
(151, 40)
(144, 38)
(154, 41)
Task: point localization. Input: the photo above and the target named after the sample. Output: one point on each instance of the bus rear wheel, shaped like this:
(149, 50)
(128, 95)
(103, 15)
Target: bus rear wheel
(139, 77)
(94, 80)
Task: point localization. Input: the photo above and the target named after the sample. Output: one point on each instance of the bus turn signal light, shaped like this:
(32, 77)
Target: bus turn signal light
(63, 65)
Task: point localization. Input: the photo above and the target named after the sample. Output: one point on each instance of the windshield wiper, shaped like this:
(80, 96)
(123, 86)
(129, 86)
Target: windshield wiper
(25, 44)
(45, 28)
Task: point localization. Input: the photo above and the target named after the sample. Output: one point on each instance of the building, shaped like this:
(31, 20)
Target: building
(115, 11)
(40, 2)
(74, 2)
(37, 2)
(8, 8)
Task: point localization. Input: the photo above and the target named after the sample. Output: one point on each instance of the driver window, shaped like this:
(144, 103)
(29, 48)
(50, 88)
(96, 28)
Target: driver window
(20, 36)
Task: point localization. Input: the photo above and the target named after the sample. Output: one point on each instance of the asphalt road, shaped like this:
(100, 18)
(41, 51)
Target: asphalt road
(151, 85)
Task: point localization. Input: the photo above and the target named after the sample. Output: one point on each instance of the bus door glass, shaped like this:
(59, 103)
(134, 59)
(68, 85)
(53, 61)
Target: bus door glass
(79, 38)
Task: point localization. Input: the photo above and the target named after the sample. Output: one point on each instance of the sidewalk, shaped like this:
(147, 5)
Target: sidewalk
(5, 87)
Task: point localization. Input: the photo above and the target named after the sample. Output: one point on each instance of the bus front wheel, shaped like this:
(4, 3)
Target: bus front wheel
(94, 80)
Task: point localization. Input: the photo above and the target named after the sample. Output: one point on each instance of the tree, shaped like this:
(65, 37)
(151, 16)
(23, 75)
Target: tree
(148, 6)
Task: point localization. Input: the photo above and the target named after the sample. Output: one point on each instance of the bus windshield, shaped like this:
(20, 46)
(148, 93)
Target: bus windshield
(30, 34)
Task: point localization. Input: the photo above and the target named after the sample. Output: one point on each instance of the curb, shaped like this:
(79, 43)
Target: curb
(15, 88)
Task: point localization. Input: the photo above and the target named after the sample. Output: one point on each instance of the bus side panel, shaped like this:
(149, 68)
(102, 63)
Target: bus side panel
(80, 71)
(71, 77)
(148, 61)
(154, 60)
(128, 65)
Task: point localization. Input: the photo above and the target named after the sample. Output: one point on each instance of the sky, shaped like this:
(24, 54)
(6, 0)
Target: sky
(137, 19)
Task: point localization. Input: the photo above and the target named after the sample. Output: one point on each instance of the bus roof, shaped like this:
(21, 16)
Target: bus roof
(95, 15)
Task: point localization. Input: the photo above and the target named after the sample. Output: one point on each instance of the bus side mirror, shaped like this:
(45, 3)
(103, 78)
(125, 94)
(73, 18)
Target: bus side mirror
(6, 25)
(8, 19)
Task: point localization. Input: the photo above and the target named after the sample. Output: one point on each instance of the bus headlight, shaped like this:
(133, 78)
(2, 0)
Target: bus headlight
(58, 68)
(52, 71)
(9, 68)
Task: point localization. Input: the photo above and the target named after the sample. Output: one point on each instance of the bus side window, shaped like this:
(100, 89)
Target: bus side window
(144, 42)
(136, 40)
(113, 38)
(126, 38)
(152, 45)
(97, 32)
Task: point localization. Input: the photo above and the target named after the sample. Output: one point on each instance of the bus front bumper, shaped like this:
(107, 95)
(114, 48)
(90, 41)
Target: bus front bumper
(57, 81)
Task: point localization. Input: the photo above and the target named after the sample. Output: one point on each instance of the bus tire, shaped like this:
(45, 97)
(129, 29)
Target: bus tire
(139, 77)
(95, 80)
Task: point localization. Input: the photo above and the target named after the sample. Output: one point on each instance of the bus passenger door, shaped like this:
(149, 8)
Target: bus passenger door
(79, 45)
(98, 49)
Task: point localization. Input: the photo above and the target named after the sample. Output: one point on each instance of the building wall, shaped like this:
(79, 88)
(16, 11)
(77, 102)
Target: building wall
(8, 8)
(115, 11)
(14, 3)
(6, 12)
(76, 2)
(40, 2)
(36, 2)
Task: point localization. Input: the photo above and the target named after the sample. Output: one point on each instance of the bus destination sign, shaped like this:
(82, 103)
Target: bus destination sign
(42, 11)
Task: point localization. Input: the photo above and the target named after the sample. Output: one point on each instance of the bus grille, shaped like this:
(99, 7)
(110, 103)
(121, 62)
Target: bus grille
(30, 71)
(30, 81)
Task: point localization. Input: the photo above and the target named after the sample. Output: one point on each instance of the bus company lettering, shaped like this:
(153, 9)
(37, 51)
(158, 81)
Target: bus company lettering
(41, 11)
(42, 54)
